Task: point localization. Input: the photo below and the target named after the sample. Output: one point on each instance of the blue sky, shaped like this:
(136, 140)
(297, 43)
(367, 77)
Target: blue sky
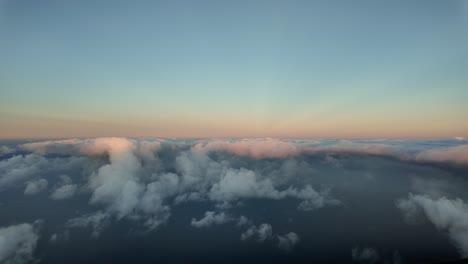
(234, 68)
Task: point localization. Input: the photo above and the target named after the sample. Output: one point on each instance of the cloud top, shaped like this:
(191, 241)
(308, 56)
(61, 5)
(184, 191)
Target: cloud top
(448, 215)
(17, 243)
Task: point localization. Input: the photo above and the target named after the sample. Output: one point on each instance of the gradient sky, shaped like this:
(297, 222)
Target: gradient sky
(318, 69)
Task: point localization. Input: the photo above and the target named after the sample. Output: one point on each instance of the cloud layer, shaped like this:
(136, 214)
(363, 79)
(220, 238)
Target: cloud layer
(145, 181)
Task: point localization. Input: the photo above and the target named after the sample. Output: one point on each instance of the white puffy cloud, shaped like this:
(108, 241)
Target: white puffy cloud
(126, 179)
(261, 233)
(64, 192)
(243, 183)
(288, 241)
(97, 221)
(34, 187)
(312, 199)
(152, 200)
(121, 185)
(140, 180)
(365, 255)
(211, 218)
(197, 171)
(17, 243)
(147, 149)
(447, 215)
(115, 184)
(128, 183)
(19, 168)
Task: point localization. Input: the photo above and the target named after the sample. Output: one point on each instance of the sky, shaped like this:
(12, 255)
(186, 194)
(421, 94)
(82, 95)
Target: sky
(304, 69)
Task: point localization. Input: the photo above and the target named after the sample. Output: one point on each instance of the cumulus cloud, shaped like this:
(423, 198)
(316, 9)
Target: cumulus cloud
(143, 180)
(211, 218)
(447, 215)
(243, 183)
(147, 149)
(261, 233)
(365, 255)
(97, 221)
(17, 243)
(242, 221)
(115, 184)
(312, 199)
(288, 241)
(20, 168)
(119, 184)
(64, 192)
(126, 179)
(34, 187)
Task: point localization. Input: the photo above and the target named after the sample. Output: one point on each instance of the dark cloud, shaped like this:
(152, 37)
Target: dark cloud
(288, 241)
(365, 255)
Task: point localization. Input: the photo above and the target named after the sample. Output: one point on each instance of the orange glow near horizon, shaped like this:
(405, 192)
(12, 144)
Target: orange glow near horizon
(229, 127)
